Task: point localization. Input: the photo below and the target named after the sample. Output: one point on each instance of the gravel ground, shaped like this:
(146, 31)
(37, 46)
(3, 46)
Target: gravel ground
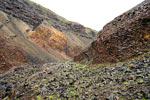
(73, 81)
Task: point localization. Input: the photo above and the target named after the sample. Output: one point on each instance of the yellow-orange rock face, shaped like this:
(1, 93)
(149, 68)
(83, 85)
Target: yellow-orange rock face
(44, 35)
(48, 37)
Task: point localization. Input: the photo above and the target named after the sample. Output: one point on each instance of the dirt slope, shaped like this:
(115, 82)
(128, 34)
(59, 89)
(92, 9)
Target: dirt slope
(10, 55)
(15, 30)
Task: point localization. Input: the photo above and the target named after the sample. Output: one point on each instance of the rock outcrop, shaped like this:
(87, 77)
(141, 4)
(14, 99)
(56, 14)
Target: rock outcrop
(49, 38)
(123, 38)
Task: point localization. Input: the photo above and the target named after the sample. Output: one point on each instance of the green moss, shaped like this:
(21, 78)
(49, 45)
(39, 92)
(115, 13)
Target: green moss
(39, 98)
(38, 5)
(98, 85)
(6, 98)
(83, 66)
(87, 31)
(51, 97)
(125, 82)
(149, 95)
(146, 50)
(140, 80)
(75, 68)
(144, 99)
(80, 66)
(72, 92)
(43, 80)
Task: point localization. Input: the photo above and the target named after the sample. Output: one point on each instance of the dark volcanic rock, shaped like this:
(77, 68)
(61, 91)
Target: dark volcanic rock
(78, 28)
(1, 25)
(121, 81)
(125, 37)
(22, 10)
(34, 14)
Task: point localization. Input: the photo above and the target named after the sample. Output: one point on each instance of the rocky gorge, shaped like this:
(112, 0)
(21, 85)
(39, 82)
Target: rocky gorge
(43, 56)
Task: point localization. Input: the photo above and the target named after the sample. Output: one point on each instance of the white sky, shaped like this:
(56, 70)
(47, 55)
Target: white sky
(90, 13)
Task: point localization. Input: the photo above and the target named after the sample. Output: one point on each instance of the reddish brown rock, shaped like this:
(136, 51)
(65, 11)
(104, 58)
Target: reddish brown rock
(125, 37)
(10, 55)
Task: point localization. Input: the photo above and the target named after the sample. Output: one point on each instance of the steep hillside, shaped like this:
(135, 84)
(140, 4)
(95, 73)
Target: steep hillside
(15, 31)
(42, 35)
(125, 37)
(33, 14)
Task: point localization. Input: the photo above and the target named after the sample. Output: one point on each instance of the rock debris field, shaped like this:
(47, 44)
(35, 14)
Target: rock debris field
(73, 81)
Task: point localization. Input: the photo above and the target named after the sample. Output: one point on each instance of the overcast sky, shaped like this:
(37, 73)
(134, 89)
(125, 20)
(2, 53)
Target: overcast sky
(90, 13)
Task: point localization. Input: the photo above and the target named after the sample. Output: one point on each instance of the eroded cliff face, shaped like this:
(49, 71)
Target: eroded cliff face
(48, 38)
(125, 37)
(43, 35)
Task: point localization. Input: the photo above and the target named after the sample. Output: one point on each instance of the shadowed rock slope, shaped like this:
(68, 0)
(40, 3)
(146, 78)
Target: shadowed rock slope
(126, 36)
